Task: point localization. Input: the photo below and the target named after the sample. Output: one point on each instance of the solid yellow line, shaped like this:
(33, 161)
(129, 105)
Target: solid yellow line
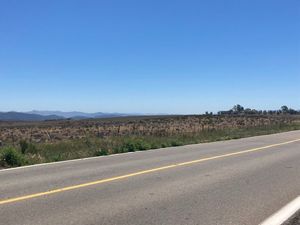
(11, 200)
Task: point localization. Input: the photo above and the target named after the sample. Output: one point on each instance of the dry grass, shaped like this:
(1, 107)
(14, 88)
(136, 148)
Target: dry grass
(38, 142)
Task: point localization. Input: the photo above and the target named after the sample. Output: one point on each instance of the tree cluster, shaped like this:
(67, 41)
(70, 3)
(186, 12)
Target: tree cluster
(240, 110)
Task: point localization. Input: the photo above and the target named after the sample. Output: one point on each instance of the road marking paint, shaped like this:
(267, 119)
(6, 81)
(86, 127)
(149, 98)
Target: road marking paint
(69, 188)
(283, 214)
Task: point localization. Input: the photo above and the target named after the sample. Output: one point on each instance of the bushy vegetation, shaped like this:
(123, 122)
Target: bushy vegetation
(10, 157)
(240, 110)
(23, 143)
(32, 153)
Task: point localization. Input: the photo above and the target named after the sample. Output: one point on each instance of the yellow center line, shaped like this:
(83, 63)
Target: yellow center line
(69, 188)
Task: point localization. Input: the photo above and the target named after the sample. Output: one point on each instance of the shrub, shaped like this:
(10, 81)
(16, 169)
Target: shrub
(135, 145)
(142, 145)
(57, 157)
(176, 143)
(23, 146)
(101, 152)
(11, 157)
(32, 149)
(165, 145)
(118, 149)
(27, 147)
(129, 146)
(155, 146)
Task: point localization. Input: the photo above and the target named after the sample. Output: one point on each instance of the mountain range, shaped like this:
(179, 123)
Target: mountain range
(36, 115)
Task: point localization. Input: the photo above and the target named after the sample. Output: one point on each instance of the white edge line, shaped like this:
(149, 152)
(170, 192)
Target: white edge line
(283, 214)
(93, 157)
(67, 161)
(105, 156)
(125, 153)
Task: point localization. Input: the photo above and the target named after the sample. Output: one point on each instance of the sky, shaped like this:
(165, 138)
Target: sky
(149, 56)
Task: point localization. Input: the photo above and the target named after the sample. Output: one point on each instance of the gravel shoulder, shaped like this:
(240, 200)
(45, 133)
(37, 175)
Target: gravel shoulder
(295, 220)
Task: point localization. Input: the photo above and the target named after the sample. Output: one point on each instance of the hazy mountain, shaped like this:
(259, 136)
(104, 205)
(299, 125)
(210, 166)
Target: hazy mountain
(78, 115)
(36, 115)
(18, 116)
(60, 113)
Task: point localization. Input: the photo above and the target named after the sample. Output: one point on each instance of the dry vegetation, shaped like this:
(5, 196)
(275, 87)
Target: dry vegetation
(36, 142)
(54, 131)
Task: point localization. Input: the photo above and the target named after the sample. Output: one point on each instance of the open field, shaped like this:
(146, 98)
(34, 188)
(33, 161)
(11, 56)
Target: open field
(236, 182)
(37, 142)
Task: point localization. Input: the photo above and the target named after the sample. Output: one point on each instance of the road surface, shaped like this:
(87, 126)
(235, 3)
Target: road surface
(229, 182)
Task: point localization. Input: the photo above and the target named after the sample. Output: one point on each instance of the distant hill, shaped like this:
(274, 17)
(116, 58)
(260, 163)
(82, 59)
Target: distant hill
(36, 115)
(78, 115)
(18, 116)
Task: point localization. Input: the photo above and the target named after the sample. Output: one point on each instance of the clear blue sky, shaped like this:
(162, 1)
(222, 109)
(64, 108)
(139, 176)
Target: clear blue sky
(149, 56)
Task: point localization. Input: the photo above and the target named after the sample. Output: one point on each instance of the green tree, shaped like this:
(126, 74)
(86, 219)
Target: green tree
(284, 109)
(238, 108)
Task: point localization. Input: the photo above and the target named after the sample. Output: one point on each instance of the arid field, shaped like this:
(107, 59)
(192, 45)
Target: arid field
(37, 142)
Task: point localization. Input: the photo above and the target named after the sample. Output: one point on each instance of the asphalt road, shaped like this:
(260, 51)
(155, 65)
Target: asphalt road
(230, 182)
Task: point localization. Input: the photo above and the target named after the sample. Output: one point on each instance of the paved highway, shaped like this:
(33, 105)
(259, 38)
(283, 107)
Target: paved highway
(229, 182)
